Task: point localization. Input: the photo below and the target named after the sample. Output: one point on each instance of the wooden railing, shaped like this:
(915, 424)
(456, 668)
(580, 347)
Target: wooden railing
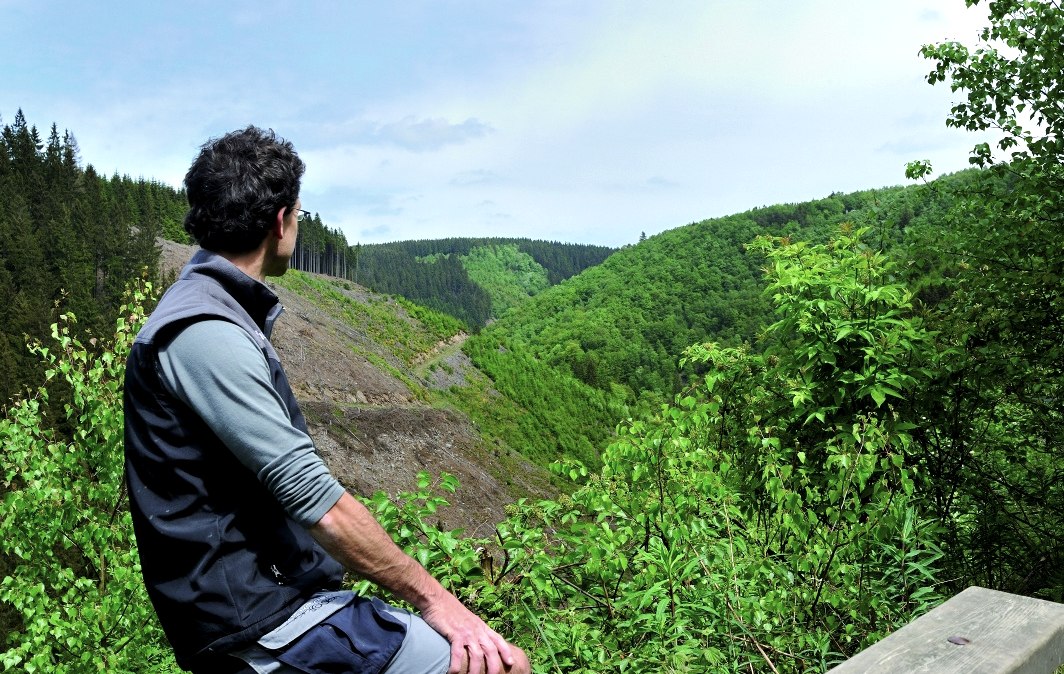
(979, 631)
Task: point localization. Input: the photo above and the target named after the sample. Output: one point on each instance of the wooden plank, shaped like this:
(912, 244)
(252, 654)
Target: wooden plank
(979, 631)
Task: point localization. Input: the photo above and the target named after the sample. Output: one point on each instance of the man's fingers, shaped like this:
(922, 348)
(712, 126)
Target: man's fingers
(503, 647)
(520, 664)
(458, 659)
(476, 659)
(493, 658)
(481, 658)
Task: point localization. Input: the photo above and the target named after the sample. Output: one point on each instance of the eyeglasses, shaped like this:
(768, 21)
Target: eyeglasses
(302, 215)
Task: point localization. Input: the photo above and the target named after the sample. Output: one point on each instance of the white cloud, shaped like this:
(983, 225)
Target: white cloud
(421, 135)
(412, 133)
(475, 177)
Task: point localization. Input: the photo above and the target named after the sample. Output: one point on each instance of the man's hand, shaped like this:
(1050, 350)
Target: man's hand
(351, 535)
(475, 647)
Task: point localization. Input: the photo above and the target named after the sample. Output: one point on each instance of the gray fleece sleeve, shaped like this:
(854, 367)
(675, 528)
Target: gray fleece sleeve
(218, 370)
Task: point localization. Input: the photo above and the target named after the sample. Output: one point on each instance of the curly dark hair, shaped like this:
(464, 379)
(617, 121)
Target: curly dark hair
(235, 187)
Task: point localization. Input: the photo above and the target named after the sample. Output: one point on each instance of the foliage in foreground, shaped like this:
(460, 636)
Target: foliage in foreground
(768, 518)
(997, 454)
(73, 579)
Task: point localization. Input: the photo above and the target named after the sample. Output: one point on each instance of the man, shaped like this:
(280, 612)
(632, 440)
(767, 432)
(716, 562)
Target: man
(243, 533)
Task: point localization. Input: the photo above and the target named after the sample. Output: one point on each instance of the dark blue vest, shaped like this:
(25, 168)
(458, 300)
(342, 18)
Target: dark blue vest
(222, 561)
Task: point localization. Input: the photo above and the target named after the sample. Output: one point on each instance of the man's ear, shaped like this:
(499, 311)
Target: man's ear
(278, 228)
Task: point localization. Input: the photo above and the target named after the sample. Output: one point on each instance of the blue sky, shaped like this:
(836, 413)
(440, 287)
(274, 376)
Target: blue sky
(584, 121)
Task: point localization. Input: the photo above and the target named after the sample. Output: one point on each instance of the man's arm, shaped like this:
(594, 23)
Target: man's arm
(218, 370)
(349, 532)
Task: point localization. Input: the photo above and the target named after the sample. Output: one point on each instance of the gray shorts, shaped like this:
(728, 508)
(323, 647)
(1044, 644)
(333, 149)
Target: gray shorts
(423, 650)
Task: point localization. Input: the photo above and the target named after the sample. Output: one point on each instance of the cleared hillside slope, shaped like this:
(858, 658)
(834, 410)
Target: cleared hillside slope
(364, 370)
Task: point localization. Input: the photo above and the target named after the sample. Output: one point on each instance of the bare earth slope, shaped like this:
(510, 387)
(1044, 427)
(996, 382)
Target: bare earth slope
(370, 427)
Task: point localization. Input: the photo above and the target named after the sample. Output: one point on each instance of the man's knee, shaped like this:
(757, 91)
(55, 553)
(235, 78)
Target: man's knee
(423, 651)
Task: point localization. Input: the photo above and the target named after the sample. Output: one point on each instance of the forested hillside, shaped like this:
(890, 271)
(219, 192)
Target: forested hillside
(70, 240)
(626, 321)
(507, 274)
(473, 279)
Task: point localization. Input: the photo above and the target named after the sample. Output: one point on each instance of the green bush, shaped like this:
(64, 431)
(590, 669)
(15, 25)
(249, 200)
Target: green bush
(73, 575)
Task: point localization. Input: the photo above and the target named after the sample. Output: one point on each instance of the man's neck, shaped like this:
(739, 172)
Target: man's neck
(252, 263)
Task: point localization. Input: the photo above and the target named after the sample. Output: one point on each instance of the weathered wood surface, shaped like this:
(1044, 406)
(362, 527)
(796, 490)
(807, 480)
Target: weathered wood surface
(979, 631)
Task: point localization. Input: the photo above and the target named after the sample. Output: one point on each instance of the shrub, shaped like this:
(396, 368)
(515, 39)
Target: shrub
(74, 575)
